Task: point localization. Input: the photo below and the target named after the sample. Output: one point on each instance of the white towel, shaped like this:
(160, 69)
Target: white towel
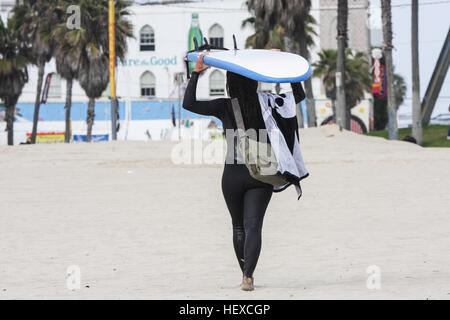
(287, 162)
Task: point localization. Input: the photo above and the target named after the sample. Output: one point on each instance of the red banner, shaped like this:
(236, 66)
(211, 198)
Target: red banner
(379, 87)
(48, 80)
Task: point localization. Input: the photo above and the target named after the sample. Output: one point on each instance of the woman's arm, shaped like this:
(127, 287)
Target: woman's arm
(299, 93)
(208, 108)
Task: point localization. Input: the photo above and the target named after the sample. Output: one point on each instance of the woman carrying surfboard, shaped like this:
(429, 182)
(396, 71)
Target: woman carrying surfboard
(246, 197)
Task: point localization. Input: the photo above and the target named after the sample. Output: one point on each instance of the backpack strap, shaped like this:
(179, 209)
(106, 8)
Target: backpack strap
(240, 124)
(237, 114)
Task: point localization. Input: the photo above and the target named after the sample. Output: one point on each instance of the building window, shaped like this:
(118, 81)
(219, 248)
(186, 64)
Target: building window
(148, 83)
(216, 83)
(54, 91)
(216, 36)
(147, 39)
(265, 87)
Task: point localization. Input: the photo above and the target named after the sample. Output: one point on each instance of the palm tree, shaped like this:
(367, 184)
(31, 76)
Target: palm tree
(416, 108)
(13, 72)
(305, 39)
(91, 41)
(263, 38)
(325, 68)
(358, 79)
(66, 66)
(386, 18)
(293, 17)
(400, 90)
(35, 19)
(341, 111)
(266, 38)
(67, 58)
(357, 76)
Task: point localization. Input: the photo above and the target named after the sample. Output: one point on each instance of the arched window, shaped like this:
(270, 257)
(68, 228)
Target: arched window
(147, 36)
(54, 91)
(216, 35)
(216, 83)
(148, 83)
(265, 87)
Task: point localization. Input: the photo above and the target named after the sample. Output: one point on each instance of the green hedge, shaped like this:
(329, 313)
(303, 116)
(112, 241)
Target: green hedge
(433, 136)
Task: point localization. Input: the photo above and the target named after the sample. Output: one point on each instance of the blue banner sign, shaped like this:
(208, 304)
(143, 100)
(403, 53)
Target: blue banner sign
(94, 137)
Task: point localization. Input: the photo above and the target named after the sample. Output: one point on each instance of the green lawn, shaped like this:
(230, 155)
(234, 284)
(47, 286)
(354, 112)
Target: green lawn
(433, 136)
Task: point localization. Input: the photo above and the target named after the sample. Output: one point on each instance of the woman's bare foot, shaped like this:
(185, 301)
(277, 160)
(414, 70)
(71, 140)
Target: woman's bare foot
(247, 284)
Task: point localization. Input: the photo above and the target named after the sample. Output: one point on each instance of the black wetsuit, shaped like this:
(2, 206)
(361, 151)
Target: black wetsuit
(246, 197)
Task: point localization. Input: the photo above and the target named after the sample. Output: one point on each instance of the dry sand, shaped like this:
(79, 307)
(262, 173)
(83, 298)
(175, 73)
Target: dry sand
(139, 226)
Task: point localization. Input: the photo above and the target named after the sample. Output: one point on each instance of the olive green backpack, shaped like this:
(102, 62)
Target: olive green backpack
(259, 157)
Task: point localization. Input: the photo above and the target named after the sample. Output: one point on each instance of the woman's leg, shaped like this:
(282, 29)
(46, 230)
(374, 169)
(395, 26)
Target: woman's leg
(256, 201)
(233, 192)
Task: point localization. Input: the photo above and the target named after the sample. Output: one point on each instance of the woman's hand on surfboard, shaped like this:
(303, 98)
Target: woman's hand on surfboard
(199, 66)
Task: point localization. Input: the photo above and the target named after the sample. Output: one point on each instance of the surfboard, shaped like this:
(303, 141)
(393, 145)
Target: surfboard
(258, 64)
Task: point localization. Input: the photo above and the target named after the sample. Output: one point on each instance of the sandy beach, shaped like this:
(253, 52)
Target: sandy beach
(141, 227)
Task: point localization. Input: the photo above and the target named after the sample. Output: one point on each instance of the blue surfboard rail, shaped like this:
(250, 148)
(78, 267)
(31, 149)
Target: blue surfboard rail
(210, 61)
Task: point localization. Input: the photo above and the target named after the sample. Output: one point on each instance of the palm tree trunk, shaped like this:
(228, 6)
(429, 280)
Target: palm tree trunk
(341, 113)
(68, 107)
(333, 108)
(9, 121)
(387, 36)
(90, 118)
(37, 103)
(300, 119)
(416, 108)
(310, 106)
(348, 117)
(289, 45)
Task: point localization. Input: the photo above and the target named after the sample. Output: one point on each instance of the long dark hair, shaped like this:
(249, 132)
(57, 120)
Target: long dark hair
(245, 90)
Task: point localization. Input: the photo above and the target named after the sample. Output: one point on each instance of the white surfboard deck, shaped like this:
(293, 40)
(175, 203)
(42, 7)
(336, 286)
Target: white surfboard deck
(258, 64)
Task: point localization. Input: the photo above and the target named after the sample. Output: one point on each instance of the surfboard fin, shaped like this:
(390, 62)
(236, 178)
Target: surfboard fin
(188, 75)
(234, 41)
(195, 44)
(207, 46)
